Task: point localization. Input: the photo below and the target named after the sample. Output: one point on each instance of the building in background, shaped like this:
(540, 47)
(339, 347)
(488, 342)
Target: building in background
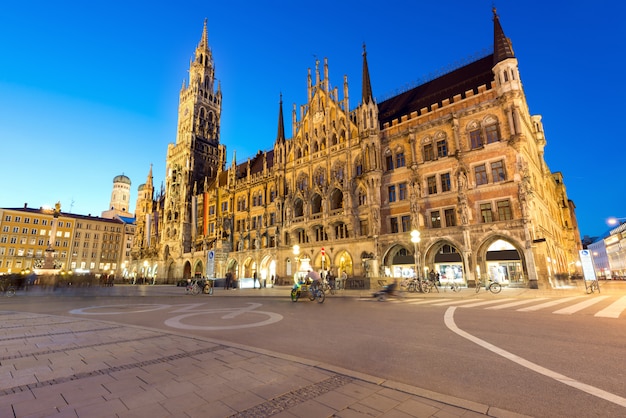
(77, 243)
(120, 198)
(459, 159)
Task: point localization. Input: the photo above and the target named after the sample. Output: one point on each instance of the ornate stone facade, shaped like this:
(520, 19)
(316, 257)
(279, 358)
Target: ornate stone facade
(459, 158)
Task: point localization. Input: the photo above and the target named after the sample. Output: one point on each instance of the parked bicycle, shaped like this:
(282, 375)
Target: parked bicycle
(493, 287)
(427, 285)
(196, 286)
(7, 288)
(411, 285)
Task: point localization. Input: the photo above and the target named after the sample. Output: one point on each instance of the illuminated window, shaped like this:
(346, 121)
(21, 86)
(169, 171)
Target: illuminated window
(485, 212)
(504, 210)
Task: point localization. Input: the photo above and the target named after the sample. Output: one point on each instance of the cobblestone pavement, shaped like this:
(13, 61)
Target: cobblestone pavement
(53, 366)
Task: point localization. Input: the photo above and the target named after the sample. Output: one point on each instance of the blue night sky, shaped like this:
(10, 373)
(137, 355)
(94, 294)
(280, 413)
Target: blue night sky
(89, 90)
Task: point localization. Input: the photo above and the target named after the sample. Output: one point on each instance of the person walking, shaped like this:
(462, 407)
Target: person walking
(228, 281)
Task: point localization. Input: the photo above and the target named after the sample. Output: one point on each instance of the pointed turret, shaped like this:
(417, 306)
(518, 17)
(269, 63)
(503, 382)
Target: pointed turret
(367, 85)
(505, 68)
(502, 47)
(280, 136)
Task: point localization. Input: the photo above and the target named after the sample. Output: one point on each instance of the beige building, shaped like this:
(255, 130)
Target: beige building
(459, 159)
(76, 243)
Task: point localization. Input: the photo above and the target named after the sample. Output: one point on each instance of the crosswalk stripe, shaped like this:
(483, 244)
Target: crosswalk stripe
(516, 303)
(484, 302)
(458, 302)
(419, 302)
(548, 304)
(579, 306)
(613, 310)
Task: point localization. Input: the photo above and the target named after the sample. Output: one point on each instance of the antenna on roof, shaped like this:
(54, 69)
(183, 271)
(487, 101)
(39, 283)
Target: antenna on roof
(71, 206)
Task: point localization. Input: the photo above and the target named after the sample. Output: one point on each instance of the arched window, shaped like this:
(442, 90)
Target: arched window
(475, 135)
(492, 129)
(320, 177)
(316, 204)
(298, 208)
(336, 200)
(302, 183)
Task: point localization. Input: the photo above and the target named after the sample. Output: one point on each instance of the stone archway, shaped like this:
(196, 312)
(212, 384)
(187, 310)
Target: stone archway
(446, 258)
(502, 259)
(198, 270)
(344, 263)
(398, 261)
(187, 270)
(171, 271)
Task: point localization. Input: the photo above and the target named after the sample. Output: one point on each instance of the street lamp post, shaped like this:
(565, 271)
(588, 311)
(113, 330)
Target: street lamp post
(415, 239)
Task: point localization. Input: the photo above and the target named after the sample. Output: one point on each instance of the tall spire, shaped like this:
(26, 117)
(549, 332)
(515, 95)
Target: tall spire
(204, 41)
(502, 47)
(367, 86)
(149, 179)
(280, 136)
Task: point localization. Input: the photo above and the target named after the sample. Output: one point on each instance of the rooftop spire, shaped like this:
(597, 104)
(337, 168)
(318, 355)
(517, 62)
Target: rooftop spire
(280, 136)
(502, 47)
(204, 41)
(367, 86)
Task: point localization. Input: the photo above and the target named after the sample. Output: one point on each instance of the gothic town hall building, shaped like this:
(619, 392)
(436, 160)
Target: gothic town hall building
(459, 159)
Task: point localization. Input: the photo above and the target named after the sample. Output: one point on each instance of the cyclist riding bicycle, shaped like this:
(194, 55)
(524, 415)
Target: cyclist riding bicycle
(315, 279)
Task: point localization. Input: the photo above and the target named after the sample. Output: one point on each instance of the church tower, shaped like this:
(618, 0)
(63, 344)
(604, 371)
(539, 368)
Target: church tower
(120, 198)
(194, 161)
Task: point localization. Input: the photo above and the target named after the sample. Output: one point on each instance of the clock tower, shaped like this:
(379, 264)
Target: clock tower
(197, 156)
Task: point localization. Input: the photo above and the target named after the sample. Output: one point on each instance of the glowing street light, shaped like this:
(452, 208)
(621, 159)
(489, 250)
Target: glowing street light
(614, 221)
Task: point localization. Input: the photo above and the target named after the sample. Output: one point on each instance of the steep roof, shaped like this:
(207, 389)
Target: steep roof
(468, 77)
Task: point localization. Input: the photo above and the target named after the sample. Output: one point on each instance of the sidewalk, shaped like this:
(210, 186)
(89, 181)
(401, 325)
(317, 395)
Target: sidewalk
(75, 367)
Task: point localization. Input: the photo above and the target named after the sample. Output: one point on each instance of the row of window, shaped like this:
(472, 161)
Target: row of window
(60, 224)
(442, 218)
(479, 136)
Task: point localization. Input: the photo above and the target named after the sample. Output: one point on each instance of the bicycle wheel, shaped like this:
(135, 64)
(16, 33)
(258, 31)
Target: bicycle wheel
(320, 296)
(411, 287)
(425, 288)
(10, 292)
(294, 295)
(495, 287)
(195, 289)
(207, 289)
(311, 294)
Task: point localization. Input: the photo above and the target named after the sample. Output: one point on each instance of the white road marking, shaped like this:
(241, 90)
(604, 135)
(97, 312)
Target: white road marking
(455, 302)
(548, 304)
(613, 310)
(592, 390)
(517, 303)
(484, 302)
(580, 306)
(419, 302)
